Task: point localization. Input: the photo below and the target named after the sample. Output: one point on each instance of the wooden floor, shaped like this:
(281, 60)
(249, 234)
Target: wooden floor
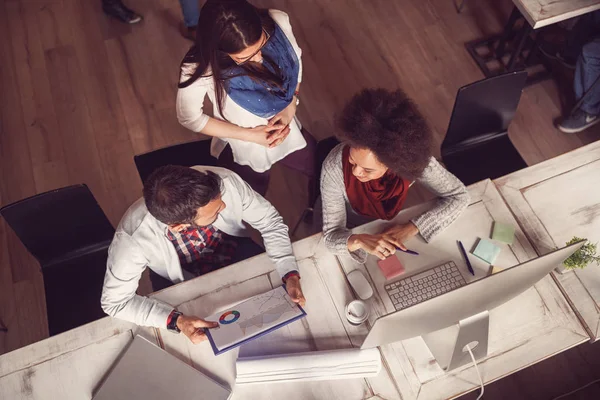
(81, 94)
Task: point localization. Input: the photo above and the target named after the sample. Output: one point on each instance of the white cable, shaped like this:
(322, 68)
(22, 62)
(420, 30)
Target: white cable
(576, 390)
(476, 369)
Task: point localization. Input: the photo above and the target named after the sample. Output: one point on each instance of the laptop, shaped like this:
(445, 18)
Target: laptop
(147, 372)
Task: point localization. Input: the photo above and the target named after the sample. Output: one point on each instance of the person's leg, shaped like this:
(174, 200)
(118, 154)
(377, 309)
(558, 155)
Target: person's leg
(257, 180)
(586, 74)
(118, 10)
(303, 160)
(191, 13)
(587, 90)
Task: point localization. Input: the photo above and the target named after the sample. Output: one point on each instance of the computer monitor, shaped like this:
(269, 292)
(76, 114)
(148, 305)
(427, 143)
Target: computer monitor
(466, 306)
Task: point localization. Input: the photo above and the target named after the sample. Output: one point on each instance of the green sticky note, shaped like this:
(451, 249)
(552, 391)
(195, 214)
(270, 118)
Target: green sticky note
(503, 233)
(487, 251)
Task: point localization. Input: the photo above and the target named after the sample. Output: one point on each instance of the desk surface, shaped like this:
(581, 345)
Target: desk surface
(540, 13)
(554, 201)
(528, 329)
(531, 327)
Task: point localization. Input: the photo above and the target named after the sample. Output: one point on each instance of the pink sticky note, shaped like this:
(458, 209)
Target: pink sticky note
(390, 267)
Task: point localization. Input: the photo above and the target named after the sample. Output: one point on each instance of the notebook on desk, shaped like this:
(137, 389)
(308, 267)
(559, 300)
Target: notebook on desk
(147, 372)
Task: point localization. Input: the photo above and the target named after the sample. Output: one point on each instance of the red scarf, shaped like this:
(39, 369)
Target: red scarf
(379, 198)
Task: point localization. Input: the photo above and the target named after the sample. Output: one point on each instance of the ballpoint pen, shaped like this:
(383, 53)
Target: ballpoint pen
(464, 253)
(414, 253)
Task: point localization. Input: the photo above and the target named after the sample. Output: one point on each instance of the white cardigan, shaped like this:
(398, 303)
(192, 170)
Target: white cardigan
(140, 241)
(189, 113)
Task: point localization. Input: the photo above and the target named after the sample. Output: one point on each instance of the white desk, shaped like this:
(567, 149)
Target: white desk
(530, 328)
(323, 328)
(71, 365)
(554, 201)
(540, 13)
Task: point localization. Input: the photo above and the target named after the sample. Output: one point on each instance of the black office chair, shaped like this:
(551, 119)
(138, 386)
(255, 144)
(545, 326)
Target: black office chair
(68, 233)
(324, 147)
(185, 154)
(477, 145)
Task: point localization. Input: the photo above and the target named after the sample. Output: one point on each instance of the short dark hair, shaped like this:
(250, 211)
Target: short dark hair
(389, 124)
(174, 193)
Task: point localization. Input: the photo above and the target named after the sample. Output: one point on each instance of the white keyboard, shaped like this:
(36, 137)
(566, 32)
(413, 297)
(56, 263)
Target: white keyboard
(425, 285)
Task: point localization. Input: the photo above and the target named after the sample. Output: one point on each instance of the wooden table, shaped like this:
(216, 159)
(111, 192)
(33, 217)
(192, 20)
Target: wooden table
(540, 13)
(528, 329)
(554, 201)
(515, 48)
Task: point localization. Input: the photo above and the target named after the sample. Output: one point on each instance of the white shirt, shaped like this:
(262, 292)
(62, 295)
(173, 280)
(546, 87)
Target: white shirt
(141, 242)
(189, 113)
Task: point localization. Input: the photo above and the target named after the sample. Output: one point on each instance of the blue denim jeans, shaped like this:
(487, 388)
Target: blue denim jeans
(191, 12)
(587, 72)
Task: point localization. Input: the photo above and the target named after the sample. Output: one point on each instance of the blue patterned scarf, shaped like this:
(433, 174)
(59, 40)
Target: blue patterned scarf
(257, 97)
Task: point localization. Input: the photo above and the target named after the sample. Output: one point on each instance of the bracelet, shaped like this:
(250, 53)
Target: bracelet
(289, 275)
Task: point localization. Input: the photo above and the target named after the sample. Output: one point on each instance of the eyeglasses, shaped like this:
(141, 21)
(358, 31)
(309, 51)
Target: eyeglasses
(267, 36)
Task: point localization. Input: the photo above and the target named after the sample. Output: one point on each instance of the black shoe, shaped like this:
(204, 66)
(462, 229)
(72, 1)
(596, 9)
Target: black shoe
(116, 9)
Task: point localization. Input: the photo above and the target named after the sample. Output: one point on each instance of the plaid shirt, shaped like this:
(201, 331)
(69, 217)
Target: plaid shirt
(203, 249)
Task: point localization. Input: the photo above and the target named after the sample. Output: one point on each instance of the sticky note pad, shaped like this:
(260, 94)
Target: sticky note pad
(504, 233)
(487, 251)
(494, 270)
(391, 267)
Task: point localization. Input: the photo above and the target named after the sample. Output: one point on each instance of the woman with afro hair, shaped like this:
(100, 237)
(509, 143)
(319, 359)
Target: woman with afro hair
(386, 147)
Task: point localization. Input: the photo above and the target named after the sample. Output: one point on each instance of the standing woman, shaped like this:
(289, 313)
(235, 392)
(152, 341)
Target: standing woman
(248, 62)
(386, 146)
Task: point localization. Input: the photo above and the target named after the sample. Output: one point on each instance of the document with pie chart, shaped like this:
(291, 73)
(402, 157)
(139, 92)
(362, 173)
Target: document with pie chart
(252, 318)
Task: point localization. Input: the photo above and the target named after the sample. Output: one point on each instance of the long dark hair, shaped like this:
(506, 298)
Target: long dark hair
(228, 27)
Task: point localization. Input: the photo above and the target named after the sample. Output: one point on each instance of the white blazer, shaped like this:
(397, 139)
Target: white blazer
(189, 113)
(140, 241)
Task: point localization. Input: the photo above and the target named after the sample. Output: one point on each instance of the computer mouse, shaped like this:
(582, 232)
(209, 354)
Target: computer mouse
(360, 284)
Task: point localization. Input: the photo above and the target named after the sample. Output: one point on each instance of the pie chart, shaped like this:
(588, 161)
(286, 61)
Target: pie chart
(227, 319)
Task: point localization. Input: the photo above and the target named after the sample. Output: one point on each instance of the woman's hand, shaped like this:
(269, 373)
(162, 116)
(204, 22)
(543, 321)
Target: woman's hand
(377, 245)
(267, 136)
(384, 244)
(285, 116)
(278, 137)
(398, 234)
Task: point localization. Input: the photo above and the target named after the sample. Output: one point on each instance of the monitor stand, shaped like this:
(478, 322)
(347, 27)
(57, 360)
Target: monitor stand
(449, 346)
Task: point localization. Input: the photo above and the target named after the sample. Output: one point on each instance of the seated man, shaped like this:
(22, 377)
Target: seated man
(188, 223)
(586, 85)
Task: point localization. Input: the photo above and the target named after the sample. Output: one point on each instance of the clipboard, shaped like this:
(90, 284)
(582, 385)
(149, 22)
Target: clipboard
(247, 339)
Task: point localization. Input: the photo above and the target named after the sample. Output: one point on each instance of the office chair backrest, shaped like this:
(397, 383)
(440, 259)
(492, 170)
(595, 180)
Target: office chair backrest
(185, 154)
(324, 147)
(484, 108)
(60, 224)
